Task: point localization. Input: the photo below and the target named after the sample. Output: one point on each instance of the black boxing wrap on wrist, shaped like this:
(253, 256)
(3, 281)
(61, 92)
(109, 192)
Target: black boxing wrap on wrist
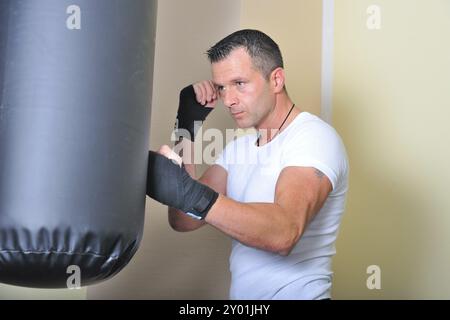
(172, 185)
(189, 111)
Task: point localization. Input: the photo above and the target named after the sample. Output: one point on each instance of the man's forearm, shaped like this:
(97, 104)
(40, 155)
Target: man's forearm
(265, 226)
(185, 149)
(195, 103)
(178, 220)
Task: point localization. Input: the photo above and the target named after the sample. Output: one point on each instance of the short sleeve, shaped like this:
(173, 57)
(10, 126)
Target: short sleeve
(319, 146)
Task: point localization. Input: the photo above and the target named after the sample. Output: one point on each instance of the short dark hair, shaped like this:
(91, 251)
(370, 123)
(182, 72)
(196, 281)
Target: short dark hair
(265, 53)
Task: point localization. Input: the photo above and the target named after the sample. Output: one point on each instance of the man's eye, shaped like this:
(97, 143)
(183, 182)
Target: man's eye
(240, 83)
(220, 88)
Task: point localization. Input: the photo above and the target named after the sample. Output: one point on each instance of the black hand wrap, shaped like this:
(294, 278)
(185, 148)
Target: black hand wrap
(189, 111)
(172, 185)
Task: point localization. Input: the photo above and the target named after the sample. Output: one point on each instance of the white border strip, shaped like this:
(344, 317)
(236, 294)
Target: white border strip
(327, 59)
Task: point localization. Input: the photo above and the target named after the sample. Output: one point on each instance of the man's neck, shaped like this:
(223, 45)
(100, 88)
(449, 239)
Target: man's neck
(269, 127)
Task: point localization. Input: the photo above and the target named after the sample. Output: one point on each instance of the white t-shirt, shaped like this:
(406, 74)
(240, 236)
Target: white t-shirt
(253, 172)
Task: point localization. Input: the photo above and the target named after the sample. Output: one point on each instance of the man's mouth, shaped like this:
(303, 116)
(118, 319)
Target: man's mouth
(236, 114)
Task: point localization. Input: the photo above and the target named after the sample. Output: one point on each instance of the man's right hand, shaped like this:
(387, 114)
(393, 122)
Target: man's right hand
(196, 102)
(169, 183)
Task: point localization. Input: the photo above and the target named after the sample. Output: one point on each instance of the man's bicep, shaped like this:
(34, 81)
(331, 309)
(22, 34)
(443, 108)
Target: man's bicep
(302, 191)
(216, 178)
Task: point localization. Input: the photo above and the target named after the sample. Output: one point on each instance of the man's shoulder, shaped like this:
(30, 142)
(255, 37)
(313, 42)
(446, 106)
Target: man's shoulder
(310, 125)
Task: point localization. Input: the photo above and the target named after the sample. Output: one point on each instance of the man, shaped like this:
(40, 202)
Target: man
(279, 194)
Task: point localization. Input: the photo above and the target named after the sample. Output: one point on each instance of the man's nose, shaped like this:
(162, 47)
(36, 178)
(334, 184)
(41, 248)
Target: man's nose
(229, 97)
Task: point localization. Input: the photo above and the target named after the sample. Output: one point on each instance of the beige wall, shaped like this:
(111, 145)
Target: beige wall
(8, 292)
(296, 25)
(392, 107)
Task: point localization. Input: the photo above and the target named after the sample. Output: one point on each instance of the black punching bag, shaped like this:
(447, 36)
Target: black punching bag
(75, 94)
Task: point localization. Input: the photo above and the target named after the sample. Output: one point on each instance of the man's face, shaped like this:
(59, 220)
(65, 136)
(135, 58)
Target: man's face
(243, 89)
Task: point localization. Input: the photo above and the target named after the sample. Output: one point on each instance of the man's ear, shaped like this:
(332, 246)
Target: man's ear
(277, 79)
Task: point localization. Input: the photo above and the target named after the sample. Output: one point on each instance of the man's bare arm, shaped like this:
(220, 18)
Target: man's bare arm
(300, 193)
